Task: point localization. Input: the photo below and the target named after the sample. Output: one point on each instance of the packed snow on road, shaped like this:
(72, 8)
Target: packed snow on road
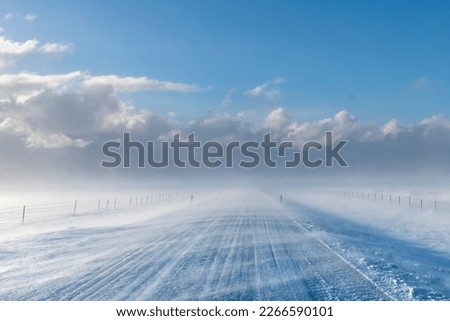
(232, 245)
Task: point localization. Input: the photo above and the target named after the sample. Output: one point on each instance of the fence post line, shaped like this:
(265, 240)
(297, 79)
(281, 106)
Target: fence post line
(421, 204)
(130, 203)
(390, 198)
(99, 201)
(409, 201)
(23, 214)
(115, 202)
(107, 205)
(399, 200)
(435, 205)
(75, 208)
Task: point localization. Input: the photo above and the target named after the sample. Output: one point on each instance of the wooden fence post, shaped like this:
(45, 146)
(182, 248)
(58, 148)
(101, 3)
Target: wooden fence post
(23, 214)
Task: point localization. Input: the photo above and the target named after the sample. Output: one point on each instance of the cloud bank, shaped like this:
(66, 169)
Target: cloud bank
(58, 122)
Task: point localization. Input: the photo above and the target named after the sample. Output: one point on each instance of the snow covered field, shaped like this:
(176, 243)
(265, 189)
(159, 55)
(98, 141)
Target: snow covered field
(231, 245)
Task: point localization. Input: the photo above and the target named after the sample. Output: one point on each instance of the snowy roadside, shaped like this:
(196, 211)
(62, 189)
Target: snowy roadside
(427, 228)
(92, 220)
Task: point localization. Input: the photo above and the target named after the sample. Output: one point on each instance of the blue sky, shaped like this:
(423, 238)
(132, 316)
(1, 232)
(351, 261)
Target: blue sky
(76, 74)
(378, 60)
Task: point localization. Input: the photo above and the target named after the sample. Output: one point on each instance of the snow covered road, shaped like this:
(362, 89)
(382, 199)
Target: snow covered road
(234, 246)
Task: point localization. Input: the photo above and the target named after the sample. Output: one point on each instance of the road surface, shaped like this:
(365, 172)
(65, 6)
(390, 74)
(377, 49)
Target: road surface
(236, 246)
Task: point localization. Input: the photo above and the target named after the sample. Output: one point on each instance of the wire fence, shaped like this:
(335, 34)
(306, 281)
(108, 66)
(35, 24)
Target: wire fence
(418, 202)
(33, 213)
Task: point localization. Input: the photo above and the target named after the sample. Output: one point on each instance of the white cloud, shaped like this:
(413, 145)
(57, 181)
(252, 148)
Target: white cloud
(55, 47)
(392, 128)
(221, 127)
(60, 113)
(36, 138)
(343, 125)
(26, 85)
(278, 120)
(9, 49)
(80, 118)
(131, 84)
(77, 110)
(257, 91)
(8, 16)
(228, 99)
(29, 84)
(30, 17)
(14, 48)
(268, 90)
(125, 117)
(434, 121)
(246, 114)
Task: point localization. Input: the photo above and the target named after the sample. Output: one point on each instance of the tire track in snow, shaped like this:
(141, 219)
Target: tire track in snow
(124, 264)
(215, 269)
(340, 258)
(149, 282)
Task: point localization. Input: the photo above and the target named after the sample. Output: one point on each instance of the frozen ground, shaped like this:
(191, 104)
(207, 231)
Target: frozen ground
(237, 245)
